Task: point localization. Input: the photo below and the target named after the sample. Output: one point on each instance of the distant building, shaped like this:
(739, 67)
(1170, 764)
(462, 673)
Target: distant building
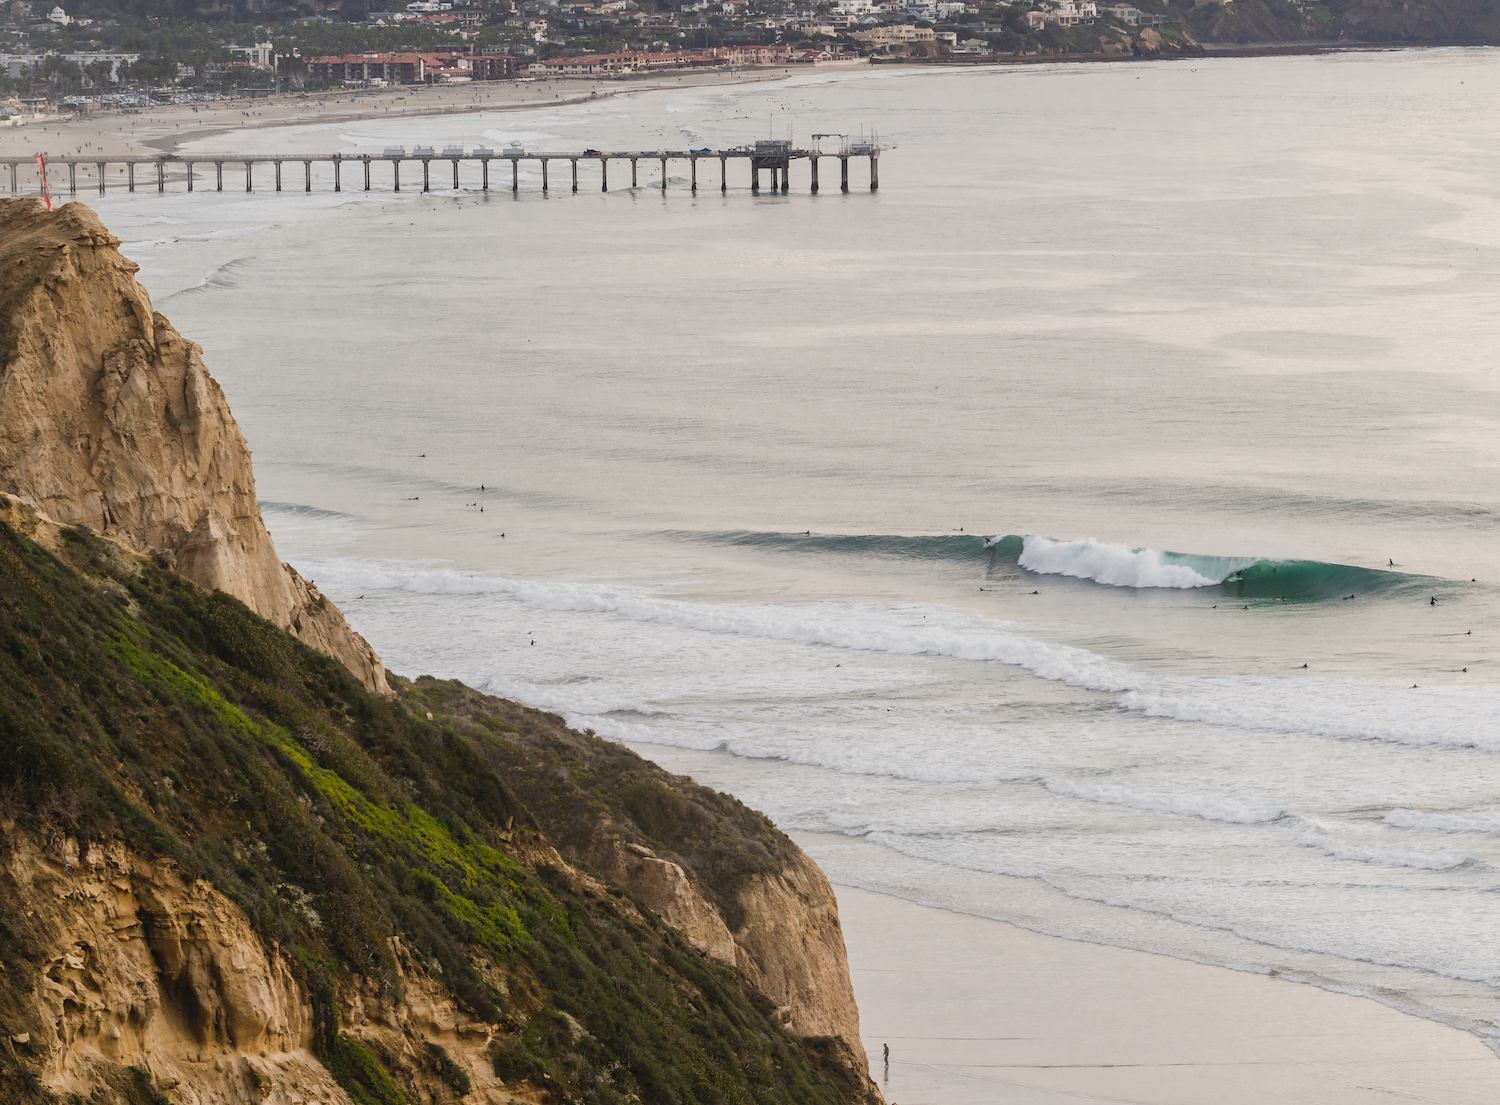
(392, 68)
(1132, 16)
(895, 34)
(60, 17)
(15, 65)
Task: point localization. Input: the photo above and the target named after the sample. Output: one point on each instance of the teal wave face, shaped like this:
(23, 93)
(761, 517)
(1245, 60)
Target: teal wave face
(1249, 578)
(945, 547)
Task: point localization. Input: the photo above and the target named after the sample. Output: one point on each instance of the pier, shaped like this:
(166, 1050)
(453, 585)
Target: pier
(205, 172)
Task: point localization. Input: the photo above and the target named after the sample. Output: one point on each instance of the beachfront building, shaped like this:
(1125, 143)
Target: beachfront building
(1069, 13)
(15, 66)
(896, 34)
(392, 68)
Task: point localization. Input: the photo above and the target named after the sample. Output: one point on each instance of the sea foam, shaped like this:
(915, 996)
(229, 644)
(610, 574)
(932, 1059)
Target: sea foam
(1336, 709)
(1113, 565)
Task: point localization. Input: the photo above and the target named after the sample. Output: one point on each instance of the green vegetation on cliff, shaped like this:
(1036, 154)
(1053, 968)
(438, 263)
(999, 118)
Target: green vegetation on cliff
(135, 706)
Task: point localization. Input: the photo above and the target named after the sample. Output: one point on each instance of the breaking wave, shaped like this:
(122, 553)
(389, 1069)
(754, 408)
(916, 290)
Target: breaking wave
(1106, 563)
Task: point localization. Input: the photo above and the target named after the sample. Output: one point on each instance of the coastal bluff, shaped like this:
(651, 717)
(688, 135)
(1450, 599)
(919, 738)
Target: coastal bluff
(109, 419)
(241, 862)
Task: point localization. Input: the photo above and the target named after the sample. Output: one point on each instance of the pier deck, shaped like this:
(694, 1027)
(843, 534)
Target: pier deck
(775, 157)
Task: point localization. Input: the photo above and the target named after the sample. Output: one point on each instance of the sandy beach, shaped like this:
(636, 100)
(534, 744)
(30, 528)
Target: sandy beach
(162, 129)
(978, 1012)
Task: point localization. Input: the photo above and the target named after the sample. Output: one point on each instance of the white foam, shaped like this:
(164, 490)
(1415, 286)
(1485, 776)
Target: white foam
(1380, 854)
(1467, 821)
(1341, 710)
(1208, 807)
(1114, 565)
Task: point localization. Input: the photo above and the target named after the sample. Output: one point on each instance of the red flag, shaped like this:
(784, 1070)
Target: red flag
(41, 165)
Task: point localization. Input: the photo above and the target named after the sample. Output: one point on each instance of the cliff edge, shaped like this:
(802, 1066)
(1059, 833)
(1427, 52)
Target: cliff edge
(108, 419)
(239, 862)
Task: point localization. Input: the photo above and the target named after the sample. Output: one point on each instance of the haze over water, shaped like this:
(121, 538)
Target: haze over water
(1166, 322)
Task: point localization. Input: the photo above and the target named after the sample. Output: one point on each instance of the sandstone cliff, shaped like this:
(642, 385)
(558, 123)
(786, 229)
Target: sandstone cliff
(108, 419)
(736, 887)
(149, 975)
(229, 872)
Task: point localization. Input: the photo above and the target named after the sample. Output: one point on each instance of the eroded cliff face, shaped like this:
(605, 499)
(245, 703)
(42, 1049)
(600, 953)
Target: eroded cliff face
(788, 941)
(740, 891)
(151, 982)
(150, 976)
(108, 419)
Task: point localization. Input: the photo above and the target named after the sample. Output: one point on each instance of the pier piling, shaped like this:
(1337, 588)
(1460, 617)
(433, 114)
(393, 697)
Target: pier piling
(776, 156)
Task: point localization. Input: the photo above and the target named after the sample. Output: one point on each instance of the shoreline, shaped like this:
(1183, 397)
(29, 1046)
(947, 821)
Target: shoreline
(162, 130)
(165, 129)
(978, 1012)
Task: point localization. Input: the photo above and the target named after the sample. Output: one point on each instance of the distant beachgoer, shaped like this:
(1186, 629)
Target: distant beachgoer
(1433, 600)
(887, 1053)
(1392, 563)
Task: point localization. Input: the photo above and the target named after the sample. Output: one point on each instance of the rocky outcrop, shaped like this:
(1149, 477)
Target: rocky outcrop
(150, 975)
(738, 889)
(788, 942)
(792, 947)
(109, 420)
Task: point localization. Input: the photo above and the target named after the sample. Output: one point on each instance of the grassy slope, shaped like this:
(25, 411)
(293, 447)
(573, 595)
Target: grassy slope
(337, 819)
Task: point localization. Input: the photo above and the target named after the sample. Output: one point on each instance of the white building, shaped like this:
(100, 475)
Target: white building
(16, 65)
(60, 17)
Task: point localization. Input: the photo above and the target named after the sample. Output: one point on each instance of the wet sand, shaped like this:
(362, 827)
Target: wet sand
(978, 1012)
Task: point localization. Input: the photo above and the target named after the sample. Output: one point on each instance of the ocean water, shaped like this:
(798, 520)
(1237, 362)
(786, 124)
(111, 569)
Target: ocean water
(1095, 529)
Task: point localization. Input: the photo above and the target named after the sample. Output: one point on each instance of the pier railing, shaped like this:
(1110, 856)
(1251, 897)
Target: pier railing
(200, 171)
